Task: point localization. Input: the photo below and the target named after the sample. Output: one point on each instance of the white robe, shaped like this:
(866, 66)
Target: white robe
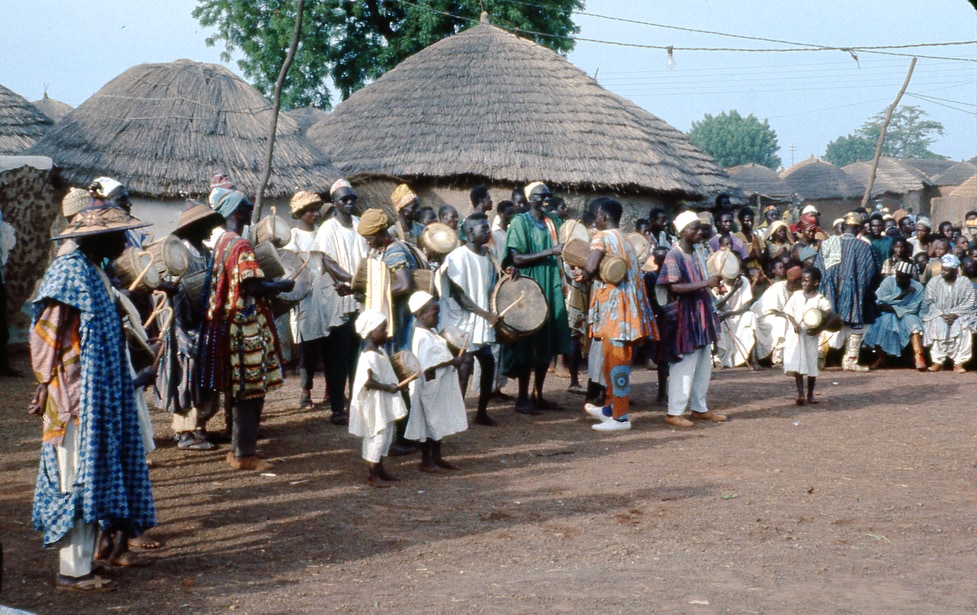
(346, 247)
(319, 312)
(770, 328)
(475, 276)
(372, 410)
(437, 408)
(801, 349)
(736, 336)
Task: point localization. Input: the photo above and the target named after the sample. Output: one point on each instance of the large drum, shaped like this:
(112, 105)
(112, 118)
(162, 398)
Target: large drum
(271, 229)
(406, 365)
(136, 271)
(170, 255)
(612, 268)
(295, 269)
(439, 239)
(269, 260)
(523, 305)
(725, 263)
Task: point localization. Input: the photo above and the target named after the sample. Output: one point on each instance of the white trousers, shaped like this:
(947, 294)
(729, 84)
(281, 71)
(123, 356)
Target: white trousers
(688, 382)
(78, 546)
(959, 348)
(377, 447)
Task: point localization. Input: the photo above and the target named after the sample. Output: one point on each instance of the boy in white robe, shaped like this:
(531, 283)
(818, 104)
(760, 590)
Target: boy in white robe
(437, 406)
(801, 344)
(376, 404)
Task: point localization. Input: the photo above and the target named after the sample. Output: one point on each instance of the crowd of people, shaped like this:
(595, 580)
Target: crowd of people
(400, 325)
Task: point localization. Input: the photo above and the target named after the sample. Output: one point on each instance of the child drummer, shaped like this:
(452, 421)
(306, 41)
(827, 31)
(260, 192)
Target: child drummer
(376, 403)
(437, 407)
(800, 341)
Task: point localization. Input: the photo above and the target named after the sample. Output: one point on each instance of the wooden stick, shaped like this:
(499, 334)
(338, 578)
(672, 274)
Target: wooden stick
(512, 305)
(142, 274)
(292, 276)
(408, 379)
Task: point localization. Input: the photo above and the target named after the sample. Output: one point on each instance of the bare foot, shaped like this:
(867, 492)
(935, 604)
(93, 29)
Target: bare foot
(375, 483)
(429, 468)
(445, 464)
(811, 400)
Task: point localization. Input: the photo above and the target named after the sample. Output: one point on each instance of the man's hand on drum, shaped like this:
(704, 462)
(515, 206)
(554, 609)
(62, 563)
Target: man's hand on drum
(714, 280)
(514, 273)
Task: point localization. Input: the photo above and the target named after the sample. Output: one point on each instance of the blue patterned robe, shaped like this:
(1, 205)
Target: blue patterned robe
(111, 483)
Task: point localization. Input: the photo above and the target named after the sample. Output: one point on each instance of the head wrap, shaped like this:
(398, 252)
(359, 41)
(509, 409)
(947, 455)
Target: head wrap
(853, 219)
(705, 218)
(368, 321)
(925, 222)
(221, 180)
(418, 300)
(810, 210)
(775, 226)
(794, 273)
(770, 208)
(103, 187)
(950, 261)
(905, 267)
(806, 252)
(339, 184)
(684, 219)
(402, 197)
(372, 222)
(73, 202)
(302, 200)
(806, 220)
(529, 189)
(837, 222)
(224, 201)
(899, 214)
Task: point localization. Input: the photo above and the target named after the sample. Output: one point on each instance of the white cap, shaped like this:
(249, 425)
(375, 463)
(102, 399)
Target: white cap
(810, 209)
(418, 300)
(684, 219)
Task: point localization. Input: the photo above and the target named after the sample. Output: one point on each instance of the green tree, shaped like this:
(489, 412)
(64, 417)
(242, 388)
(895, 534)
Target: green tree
(909, 135)
(733, 139)
(348, 43)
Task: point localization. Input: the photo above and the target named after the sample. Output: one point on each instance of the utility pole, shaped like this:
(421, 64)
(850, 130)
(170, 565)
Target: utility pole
(885, 125)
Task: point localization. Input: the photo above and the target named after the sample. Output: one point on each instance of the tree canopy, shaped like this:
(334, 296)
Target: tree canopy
(909, 135)
(348, 43)
(733, 139)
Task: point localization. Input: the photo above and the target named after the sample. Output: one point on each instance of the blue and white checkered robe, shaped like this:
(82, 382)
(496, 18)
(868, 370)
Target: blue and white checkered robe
(111, 485)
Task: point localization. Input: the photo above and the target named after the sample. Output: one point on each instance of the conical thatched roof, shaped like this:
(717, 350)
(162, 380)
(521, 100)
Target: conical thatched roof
(54, 109)
(305, 117)
(755, 178)
(967, 189)
(163, 129)
(955, 175)
(891, 176)
(815, 180)
(487, 105)
(930, 167)
(21, 124)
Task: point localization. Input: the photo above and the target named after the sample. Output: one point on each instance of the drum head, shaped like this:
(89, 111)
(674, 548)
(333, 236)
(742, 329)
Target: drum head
(174, 255)
(405, 364)
(291, 263)
(725, 263)
(455, 337)
(439, 238)
(813, 318)
(641, 245)
(529, 314)
(574, 229)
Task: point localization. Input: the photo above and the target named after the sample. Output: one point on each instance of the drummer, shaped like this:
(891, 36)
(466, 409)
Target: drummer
(619, 317)
(469, 276)
(534, 249)
(406, 204)
(481, 201)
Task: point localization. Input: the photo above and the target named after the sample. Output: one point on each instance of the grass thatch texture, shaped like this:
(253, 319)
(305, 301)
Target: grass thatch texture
(755, 178)
(488, 105)
(164, 129)
(892, 176)
(814, 179)
(54, 109)
(956, 175)
(931, 168)
(21, 124)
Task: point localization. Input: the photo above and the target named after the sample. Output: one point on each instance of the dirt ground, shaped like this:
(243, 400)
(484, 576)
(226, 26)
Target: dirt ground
(864, 503)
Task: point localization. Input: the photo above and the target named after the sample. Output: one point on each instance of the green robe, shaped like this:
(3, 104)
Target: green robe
(526, 237)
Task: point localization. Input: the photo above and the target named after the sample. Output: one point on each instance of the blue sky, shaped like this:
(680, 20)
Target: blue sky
(809, 98)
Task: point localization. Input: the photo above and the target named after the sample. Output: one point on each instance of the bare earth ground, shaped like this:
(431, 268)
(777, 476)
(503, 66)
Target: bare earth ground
(862, 504)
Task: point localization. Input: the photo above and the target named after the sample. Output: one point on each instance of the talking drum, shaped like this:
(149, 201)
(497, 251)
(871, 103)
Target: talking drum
(358, 284)
(269, 261)
(641, 245)
(455, 337)
(725, 263)
(170, 256)
(273, 230)
(573, 229)
(612, 269)
(422, 279)
(295, 269)
(521, 304)
(193, 286)
(439, 238)
(815, 319)
(140, 353)
(405, 364)
(576, 252)
(136, 271)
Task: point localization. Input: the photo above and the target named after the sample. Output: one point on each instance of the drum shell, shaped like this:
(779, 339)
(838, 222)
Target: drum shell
(273, 230)
(576, 252)
(613, 269)
(405, 364)
(170, 256)
(267, 256)
(421, 279)
(193, 285)
(524, 319)
(455, 337)
(295, 269)
(725, 263)
(439, 239)
(130, 264)
(573, 229)
(813, 318)
(358, 283)
(641, 245)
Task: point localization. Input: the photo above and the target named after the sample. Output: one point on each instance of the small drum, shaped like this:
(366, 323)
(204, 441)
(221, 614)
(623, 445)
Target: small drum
(613, 269)
(406, 365)
(725, 263)
(522, 305)
(818, 320)
(455, 337)
(170, 255)
(136, 271)
(641, 245)
(573, 229)
(140, 353)
(273, 230)
(576, 252)
(193, 285)
(294, 266)
(269, 261)
(422, 279)
(358, 283)
(439, 239)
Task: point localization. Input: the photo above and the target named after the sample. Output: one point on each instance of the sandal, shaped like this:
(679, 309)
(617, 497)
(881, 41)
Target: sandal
(88, 583)
(192, 442)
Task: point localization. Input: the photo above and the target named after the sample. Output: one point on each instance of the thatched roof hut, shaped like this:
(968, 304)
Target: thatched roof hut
(485, 106)
(955, 206)
(892, 177)
(955, 175)
(21, 124)
(755, 179)
(54, 109)
(306, 117)
(817, 180)
(931, 167)
(164, 129)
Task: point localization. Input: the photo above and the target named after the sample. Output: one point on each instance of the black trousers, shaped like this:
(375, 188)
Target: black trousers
(247, 418)
(339, 353)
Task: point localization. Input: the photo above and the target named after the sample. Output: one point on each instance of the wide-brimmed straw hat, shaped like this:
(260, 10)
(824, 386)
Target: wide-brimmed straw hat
(98, 220)
(194, 214)
(302, 200)
(74, 201)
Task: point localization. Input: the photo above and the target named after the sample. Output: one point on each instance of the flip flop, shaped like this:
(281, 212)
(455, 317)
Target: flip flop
(89, 583)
